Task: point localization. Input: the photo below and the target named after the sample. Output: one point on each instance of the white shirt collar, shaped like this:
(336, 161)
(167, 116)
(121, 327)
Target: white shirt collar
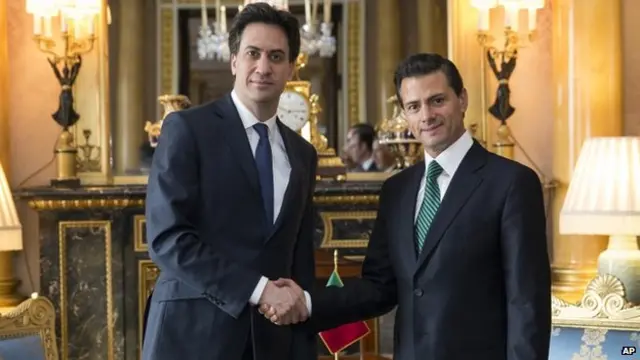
(366, 165)
(247, 117)
(452, 156)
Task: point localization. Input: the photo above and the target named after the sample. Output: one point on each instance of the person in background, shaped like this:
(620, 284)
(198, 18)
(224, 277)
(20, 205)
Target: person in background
(358, 148)
(383, 157)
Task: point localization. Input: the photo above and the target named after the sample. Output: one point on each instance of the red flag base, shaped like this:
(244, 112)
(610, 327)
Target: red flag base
(340, 338)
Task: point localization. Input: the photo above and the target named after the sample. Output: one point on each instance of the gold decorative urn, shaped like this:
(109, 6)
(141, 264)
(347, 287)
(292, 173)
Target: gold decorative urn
(395, 134)
(170, 103)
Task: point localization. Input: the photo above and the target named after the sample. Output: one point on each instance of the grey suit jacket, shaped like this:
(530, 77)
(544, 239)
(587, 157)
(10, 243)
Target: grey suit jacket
(480, 288)
(207, 232)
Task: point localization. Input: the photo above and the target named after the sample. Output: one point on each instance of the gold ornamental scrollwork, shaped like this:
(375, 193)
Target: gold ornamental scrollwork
(603, 305)
(34, 316)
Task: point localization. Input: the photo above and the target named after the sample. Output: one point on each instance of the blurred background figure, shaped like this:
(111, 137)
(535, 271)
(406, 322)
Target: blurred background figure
(383, 157)
(358, 149)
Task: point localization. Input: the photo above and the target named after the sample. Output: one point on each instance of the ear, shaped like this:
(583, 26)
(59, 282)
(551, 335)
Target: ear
(233, 62)
(464, 100)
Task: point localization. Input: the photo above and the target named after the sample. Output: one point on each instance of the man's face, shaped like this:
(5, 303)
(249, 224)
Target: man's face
(433, 111)
(262, 66)
(354, 149)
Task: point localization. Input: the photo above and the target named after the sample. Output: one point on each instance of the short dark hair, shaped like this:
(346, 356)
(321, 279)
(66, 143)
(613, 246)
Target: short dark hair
(266, 14)
(366, 134)
(425, 64)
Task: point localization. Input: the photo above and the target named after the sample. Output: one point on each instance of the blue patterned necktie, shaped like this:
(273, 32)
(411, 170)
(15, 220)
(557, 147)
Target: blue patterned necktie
(264, 163)
(430, 204)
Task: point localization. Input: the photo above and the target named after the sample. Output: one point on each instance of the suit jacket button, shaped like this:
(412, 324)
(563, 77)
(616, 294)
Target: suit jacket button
(418, 292)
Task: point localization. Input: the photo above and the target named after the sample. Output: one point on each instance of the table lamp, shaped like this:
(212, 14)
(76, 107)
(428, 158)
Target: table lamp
(604, 199)
(10, 240)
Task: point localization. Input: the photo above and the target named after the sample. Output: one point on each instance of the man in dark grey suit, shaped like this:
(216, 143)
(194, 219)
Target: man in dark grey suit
(229, 209)
(459, 244)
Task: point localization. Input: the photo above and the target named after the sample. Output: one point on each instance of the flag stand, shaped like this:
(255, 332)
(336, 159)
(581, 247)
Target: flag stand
(336, 356)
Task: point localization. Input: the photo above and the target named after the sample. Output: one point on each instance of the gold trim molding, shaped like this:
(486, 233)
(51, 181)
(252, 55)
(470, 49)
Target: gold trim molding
(118, 203)
(328, 217)
(63, 226)
(139, 222)
(147, 275)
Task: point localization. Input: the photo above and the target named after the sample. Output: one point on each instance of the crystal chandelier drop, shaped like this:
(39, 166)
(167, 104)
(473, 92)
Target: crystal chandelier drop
(213, 38)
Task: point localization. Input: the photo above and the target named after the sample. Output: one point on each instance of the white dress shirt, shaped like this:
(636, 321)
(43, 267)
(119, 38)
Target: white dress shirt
(449, 160)
(281, 172)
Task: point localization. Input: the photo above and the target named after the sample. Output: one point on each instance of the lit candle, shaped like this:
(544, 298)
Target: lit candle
(483, 19)
(327, 11)
(307, 11)
(217, 16)
(63, 24)
(204, 13)
(76, 29)
(532, 19)
(90, 24)
(511, 18)
(223, 19)
(37, 25)
(47, 27)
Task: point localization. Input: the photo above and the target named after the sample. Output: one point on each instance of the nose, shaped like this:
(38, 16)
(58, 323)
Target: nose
(426, 114)
(263, 66)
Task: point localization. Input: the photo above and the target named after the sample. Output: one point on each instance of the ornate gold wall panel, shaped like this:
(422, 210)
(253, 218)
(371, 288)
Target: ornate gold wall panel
(358, 237)
(94, 227)
(147, 275)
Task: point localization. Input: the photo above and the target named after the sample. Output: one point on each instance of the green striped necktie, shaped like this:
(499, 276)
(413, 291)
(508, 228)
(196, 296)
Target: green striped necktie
(430, 204)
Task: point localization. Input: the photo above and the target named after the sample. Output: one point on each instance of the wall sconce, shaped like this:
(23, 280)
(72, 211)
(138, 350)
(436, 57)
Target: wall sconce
(503, 61)
(76, 20)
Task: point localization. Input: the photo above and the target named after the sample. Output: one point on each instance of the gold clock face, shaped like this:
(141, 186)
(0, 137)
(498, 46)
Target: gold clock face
(294, 110)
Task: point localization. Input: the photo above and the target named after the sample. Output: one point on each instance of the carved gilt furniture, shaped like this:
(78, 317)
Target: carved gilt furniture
(602, 326)
(28, 331)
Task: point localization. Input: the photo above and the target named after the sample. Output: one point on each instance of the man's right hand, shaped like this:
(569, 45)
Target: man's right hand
(284, 303)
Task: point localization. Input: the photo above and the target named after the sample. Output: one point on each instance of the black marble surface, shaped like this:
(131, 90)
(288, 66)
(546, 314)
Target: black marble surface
(95, 271)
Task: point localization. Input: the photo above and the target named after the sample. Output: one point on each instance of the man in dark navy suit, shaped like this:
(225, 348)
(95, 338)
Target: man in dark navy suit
(229, 210)
(459, 243)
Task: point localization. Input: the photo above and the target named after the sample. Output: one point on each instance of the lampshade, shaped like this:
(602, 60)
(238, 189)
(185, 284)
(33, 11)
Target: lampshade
(10, 227)
(604, 195)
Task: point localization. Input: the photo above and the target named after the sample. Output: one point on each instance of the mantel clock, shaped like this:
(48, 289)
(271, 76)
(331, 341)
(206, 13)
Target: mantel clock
(299, 109)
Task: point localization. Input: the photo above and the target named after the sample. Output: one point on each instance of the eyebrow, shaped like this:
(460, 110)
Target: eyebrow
(255, 48)
(431, 98)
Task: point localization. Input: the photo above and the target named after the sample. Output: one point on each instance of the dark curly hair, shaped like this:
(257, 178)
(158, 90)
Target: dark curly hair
(266, 14)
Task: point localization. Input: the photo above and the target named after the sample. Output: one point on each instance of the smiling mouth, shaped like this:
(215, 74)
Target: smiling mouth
(262, 83)
(431, 128)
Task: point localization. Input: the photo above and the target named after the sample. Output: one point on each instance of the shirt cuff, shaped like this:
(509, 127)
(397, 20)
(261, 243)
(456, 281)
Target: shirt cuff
(308, 298)
(257, 292)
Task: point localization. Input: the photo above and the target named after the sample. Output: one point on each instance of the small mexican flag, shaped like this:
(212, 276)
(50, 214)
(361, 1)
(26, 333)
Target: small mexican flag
(341, 337)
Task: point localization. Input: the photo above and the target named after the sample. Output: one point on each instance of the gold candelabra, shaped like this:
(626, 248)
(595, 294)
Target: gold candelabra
(502, 62)
(77, 37)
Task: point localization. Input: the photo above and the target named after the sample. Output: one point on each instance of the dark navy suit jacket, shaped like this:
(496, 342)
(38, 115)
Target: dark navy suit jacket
(208, 233)
(480, 288)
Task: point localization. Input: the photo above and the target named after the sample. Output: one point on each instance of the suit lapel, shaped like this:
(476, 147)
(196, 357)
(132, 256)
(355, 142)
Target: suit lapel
(406, 215)
(236, 138)
(294, 178)
(464, 183)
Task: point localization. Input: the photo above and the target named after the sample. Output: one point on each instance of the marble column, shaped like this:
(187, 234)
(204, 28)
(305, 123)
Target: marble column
(383, 49)
(432, 26)
(8, 283)
(587, 84)
(129, 83)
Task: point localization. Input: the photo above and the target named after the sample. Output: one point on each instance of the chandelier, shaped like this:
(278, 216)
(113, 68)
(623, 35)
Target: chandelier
(213, 40)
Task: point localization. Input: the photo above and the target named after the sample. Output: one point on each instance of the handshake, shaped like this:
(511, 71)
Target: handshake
(284, 302)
